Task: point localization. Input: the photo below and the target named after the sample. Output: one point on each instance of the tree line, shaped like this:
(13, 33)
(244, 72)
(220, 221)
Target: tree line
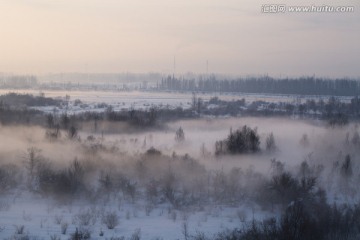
(265, 84)
(17, 81)
(17, 109)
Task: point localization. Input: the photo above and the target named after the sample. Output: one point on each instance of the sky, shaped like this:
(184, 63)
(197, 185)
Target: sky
(233, 36)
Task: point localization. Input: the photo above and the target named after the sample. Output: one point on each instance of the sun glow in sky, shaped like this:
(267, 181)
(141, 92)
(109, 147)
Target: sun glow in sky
(43, 36)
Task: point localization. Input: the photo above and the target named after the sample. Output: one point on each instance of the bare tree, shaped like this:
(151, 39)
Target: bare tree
(31, 162)
(270, 143)
(304, 141)
(180, 135)
(185, 230)
(72, 132)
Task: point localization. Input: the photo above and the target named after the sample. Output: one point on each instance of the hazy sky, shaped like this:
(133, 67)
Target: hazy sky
(43, 36)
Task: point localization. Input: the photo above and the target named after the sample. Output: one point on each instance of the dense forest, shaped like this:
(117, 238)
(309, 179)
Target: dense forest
(266, 84)
(307, 85)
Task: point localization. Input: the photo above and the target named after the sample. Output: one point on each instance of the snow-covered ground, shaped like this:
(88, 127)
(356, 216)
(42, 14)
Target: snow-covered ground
(146, 99)
(46, 218)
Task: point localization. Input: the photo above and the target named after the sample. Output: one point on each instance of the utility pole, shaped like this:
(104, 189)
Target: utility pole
(174, 67)
(207, 68)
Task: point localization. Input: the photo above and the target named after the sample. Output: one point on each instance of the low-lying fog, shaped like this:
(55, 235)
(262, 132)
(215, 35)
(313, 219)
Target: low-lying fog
(111, 172)
(324, 144)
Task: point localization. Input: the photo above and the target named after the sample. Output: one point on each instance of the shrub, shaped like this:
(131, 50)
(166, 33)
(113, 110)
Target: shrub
(66, 182)
(111, 220)
(21, 237)
(9, 177)
(55, 237)
(297, 224)
(80, 234)
(84, 218)
(58, 219)
(19, 229)
(153, 152)
(136, 235)
(64, 226)
(127, 187)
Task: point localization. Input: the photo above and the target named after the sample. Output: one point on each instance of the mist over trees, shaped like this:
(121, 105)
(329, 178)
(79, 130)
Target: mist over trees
(98, 158)
(295, 195)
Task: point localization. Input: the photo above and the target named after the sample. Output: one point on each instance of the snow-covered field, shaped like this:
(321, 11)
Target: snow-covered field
(120, 100)
(46, 218)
